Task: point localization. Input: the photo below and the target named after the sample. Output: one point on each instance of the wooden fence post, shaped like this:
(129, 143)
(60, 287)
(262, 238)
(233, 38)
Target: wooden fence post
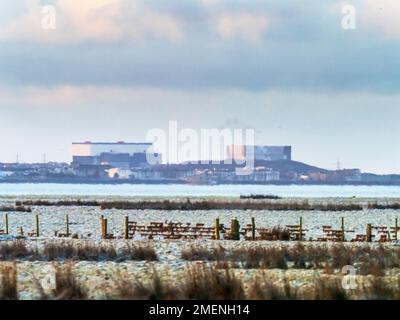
(369, 232)
(67, 225)
(21, 231)
(37, 226)
(301, 229)
(103, 228)
(235, 229)
(216, 229)
(343, 230)
(396, 228)
(6, 223)
(126, 228)
(253, 228)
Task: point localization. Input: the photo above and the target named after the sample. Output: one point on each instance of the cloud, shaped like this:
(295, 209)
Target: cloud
(93, 20)
(298, 47)
(68, 96)
(233, 21)
(384, 15)
(242, 25)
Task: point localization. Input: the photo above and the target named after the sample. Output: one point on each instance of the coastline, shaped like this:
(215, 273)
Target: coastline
(91, 181)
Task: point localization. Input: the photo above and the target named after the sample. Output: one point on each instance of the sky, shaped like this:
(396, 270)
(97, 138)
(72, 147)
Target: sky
(111, 70)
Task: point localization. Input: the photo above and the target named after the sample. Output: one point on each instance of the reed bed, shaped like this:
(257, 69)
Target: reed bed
(190, 205)
(201, 283)
(8, 282)
(366, 259)
(210, 283)
(228, 205)
(17, 208)
(59, 203)
(67, 285)
(260, 197)
(384, 206)
(70, 250)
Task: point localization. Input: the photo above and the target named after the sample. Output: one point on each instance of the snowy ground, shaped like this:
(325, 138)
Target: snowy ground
(100, 277)
(85, 221)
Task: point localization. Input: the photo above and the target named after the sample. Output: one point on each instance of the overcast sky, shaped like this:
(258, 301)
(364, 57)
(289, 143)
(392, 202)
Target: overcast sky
(113, 69)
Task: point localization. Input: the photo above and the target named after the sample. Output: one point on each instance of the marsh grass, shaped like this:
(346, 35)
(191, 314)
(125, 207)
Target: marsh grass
(205, 283)
(78, 251)
(258, 203)
(386, 206)
(367, 260)
(379, 289)
(264, 288)
(67, 285)
(128, 288)
(17, 208)
(260, 197)
(198, 253)
(13, 250)
(277, 233)
(329, 289)
(138, 253)
(59, 203)
(268, 204)
(201, 282)
(8, 282)
(197, 283)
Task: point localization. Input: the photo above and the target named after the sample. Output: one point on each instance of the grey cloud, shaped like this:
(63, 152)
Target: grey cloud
(341, 65)
(304, 48)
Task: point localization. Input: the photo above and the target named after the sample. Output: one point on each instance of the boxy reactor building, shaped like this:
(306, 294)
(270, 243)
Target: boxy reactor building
(138, 161)
(119, 154)
(260, 153)
(135, 155)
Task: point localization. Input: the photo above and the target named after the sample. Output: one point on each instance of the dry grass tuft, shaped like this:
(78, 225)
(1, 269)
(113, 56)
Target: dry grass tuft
(18, 208)
(153, 289)
(67, 286)
(202, 282)
(367, 260)
(78, 251)
(379, 289)
(138, 253)
(206, 283)
(8, 284)
(263, 288)
(13, 250)
(203, 254)
(329, 289)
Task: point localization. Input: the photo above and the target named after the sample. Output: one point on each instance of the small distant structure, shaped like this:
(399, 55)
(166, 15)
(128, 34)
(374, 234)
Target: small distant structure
(259, 153)
(121, 155)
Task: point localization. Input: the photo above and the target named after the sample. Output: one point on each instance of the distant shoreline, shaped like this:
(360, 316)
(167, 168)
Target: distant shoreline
(180, 182)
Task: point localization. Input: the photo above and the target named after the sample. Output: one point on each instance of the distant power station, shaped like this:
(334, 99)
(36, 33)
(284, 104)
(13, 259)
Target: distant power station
(138, 162)
(134, 155)
(119, 154)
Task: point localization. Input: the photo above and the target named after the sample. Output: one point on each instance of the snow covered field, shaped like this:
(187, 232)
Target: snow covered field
(85, 221)
(98, 276)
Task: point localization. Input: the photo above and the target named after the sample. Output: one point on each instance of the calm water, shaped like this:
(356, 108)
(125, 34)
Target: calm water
(127, 190)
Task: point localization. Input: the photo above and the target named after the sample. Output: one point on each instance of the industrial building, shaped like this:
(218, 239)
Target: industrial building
(117, 155)
(259, 153)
